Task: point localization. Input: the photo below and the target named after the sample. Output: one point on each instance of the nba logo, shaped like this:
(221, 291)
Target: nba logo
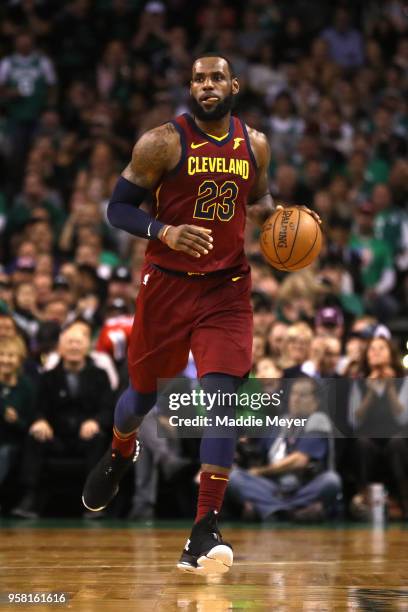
(145, 279)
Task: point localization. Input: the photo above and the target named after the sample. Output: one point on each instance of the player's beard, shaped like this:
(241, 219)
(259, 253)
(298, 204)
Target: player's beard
(222, 108)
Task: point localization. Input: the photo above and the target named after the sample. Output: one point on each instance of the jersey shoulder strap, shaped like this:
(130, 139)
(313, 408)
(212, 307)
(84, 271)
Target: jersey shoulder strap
(180, 124)
(241, 128)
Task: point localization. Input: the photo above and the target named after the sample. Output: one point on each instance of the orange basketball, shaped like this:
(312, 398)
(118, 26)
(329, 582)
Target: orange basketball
(291, 239)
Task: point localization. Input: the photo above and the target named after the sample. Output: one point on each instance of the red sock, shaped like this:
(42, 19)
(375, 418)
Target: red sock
(211, 493)
(124, 443)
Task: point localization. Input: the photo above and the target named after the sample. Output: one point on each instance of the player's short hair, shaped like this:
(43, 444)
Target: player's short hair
(215, 54)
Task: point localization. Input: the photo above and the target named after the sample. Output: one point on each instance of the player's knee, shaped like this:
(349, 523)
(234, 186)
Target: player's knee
(136, 402)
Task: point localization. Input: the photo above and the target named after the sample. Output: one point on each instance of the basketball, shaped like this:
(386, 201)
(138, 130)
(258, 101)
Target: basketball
(291, 239)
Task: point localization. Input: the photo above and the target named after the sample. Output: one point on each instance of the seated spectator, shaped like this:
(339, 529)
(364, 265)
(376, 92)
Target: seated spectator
(26, 314)
(23, 270)
(45, 342)
(16, 403)
(63, 290)
(27, 82)
(34, 194)
(56, 310)
(298, 480)
(43, 287)
(258, 348)
(73, 412)
(325, 353)
(8, 328)
(378, 413)
(285, 127)
(267, 368)
(378, 274)
(276, 338)
(345, 43)
(339, 278)
(6, 290)
(391, 225)
(329, 322)
(115, 333)
(263, 313)
(296, 349)
(42, 234)
(120, 285)
(98, 356)
(264, 379)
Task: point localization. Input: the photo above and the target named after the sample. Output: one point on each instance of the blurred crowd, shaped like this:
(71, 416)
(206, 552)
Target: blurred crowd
(80, 81)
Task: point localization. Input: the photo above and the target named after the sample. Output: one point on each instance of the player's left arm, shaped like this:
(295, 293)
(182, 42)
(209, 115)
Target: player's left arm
(260, 201)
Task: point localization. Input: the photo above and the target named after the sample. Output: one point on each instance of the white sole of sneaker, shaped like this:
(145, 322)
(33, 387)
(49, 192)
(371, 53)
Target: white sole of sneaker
(102, 507)
(92, 509)
(217, 561)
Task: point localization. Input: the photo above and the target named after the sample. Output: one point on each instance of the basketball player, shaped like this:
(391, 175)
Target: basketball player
(208, 171)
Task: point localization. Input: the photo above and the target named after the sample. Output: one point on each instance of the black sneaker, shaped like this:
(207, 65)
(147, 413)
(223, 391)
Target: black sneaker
(102, 484)
(205, 551)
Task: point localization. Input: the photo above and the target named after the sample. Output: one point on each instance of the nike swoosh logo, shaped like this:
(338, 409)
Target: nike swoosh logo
(235, 278)
(212, 477)
(195, 145)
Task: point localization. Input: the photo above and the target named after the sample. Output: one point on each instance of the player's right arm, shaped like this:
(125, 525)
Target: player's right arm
(157, 152)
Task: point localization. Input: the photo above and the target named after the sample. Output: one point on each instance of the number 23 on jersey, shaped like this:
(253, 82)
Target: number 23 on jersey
(216, 200)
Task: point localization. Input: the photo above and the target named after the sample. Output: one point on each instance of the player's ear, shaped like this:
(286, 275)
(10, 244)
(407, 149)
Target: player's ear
(235, 86)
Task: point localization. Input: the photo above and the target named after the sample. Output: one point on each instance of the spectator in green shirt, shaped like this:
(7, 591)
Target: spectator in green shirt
(391, 225)
(34, 195)
(27, 84)
(377, 271)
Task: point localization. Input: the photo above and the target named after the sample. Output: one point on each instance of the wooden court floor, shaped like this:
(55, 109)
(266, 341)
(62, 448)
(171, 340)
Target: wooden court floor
(123, 566)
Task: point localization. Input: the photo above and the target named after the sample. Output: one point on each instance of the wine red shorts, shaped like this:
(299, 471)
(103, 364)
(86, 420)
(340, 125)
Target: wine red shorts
(209, 315)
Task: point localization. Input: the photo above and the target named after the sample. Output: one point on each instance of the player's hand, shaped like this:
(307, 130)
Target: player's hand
(190, 239)
(314, 214)
(41, 430)
(88, 429)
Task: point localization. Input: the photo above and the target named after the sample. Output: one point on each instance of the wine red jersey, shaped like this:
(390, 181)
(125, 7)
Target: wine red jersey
(209, 187)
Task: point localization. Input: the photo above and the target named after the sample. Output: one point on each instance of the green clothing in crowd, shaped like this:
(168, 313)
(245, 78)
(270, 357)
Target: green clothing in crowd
(21, 398)
(30, 76)
(20, 214)
(376, 258)
(391, 227)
